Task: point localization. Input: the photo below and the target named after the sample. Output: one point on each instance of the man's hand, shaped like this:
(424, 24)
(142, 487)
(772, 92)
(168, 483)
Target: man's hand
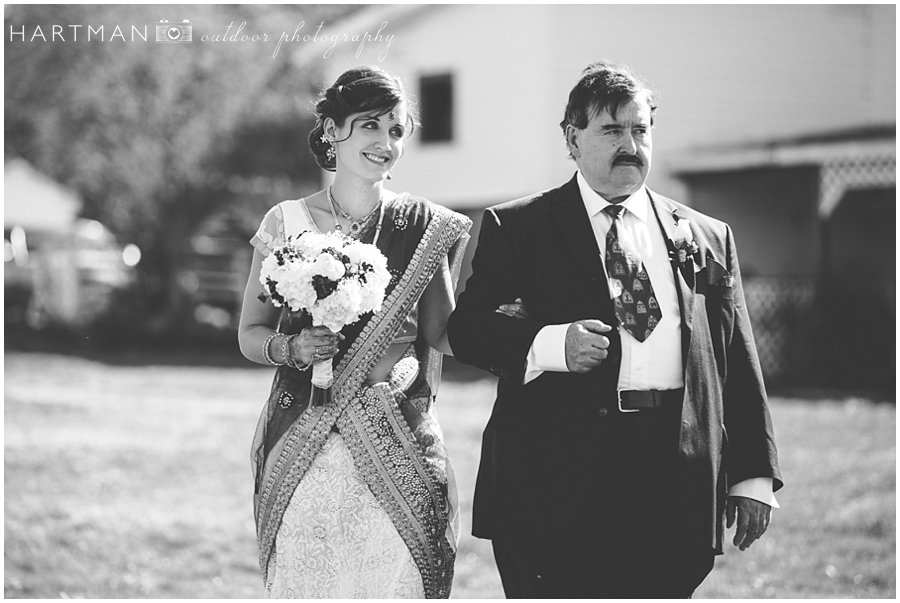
(752, 519)
(515, 310)
(585, 345)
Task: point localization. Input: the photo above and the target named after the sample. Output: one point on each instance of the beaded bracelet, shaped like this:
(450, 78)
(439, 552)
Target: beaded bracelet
(266, 353)
(286, 349)
(301, 368)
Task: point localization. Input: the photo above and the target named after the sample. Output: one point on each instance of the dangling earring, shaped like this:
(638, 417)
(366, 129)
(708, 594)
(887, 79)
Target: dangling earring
(389, 177)
(329, 152)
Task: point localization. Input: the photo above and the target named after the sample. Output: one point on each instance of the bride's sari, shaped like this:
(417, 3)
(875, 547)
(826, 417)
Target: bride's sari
(390, 427)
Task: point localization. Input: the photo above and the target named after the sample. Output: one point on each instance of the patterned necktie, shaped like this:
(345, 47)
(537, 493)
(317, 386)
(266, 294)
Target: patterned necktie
(636, 305)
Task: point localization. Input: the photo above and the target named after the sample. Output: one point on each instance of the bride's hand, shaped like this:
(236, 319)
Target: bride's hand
(314, 344)
(515, 310)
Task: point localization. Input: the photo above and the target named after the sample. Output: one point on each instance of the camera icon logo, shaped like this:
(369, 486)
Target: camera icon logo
(174, 32)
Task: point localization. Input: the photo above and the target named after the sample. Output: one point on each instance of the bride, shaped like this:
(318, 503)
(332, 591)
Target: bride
(357, 498)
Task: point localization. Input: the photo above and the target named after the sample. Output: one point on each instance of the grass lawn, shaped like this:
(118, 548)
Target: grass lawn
(134, 481)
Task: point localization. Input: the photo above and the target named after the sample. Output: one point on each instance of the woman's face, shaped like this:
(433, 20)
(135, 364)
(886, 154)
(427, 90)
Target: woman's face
(370, 146)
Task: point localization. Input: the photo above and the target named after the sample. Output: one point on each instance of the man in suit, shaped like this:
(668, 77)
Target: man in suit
(631, 416)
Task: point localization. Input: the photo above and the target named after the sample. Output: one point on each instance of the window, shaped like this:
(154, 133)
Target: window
(436, 108)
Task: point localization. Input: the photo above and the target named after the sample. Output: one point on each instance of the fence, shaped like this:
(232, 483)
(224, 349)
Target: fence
(780, 311)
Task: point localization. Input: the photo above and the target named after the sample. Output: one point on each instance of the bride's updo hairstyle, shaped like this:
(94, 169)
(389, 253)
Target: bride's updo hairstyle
(358, 90)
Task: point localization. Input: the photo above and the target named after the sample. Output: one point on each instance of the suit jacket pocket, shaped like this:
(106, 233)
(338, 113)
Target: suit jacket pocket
(717, 273)
(721, 292)
(713, 286)
(720, 280)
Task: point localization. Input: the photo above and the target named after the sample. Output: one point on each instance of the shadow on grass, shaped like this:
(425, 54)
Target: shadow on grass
(130, 349)
(219, 351)
(845, 394)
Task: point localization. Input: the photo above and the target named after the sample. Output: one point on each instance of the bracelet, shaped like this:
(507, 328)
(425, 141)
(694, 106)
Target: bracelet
(288, 359)
(286, 349)
(301, 368)
(266, 353)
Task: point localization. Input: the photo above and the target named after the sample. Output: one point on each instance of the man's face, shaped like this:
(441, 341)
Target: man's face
(614, 154)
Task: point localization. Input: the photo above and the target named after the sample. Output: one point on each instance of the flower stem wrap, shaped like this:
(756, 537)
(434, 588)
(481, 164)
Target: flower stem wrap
(323, 374)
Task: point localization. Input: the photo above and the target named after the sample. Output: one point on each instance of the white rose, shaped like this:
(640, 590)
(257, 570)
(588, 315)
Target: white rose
(325, 265)
(683, 231)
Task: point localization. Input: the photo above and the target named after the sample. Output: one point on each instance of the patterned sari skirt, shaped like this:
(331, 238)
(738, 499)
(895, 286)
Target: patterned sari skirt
(336, 541)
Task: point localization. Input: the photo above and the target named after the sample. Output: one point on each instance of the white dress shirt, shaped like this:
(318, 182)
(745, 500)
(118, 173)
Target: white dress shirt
(656, 362)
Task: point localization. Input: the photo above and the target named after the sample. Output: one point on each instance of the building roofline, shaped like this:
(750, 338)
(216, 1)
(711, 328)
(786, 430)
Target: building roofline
(806, 149)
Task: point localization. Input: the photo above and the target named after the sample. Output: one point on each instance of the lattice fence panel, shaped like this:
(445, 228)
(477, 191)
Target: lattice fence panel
(777, 307)
(839, 176)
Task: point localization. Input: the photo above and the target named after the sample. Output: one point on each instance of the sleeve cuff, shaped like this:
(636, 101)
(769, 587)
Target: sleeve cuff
(547, 353)
(757, 488)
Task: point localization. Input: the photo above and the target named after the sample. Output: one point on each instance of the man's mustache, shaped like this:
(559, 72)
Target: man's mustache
(628, 159)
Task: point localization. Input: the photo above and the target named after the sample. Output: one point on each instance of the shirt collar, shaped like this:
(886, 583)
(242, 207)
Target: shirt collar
(638, 203)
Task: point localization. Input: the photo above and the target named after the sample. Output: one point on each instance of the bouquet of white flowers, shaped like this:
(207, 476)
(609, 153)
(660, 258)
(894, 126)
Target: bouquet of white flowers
(333, 277)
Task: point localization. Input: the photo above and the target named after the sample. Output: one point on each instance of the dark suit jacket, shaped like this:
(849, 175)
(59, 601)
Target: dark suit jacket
(544, 439)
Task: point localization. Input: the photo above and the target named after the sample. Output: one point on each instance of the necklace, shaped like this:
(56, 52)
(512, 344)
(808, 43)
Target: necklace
(355, 225)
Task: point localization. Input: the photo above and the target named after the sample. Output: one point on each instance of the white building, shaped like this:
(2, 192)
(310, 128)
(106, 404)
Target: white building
(780, 119)
(724, 74)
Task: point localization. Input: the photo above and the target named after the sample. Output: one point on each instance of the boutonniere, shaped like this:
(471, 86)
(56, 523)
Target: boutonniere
(683, 239)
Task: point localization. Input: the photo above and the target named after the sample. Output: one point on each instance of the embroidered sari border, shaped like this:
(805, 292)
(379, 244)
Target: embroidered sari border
(402, 484)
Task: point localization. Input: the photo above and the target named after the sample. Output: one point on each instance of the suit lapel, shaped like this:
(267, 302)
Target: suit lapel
(574, 224)
(665, 215)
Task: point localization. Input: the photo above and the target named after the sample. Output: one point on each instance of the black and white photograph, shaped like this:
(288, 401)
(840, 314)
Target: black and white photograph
(471, 301)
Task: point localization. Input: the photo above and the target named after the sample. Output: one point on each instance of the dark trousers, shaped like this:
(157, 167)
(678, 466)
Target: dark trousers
(630, 541)
(529, 573)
